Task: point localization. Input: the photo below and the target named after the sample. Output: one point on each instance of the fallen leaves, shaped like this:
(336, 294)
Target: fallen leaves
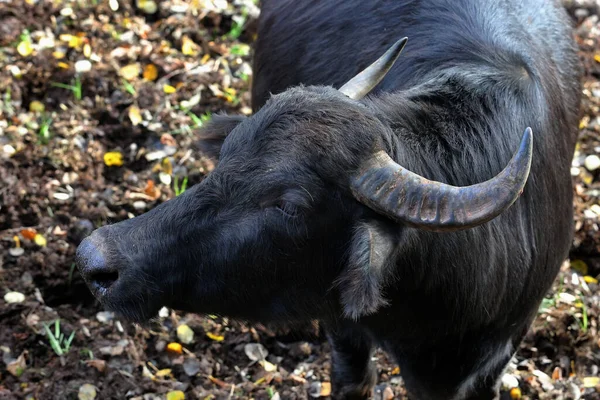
(215, 337)
(135, 115)
(150, 72)
(130, 72)
(185, 334)
(113, 159)
(175, 347)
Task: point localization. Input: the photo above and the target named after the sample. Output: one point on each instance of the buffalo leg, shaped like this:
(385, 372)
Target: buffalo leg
(353, 374)
(458, 371)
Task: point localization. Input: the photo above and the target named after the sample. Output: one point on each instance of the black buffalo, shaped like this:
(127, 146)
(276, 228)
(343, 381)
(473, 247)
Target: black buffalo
(425, 217)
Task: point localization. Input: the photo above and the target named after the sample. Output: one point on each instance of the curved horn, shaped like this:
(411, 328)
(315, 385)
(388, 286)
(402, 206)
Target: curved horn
(357, 87)
(391, 190)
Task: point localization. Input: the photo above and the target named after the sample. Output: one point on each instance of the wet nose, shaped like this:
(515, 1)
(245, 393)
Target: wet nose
(93, 266)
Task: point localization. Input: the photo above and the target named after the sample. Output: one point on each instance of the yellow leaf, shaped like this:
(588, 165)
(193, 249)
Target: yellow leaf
(63, 65)
(24, 48)
(113, 158)
(167, 168)
(175, 395)
(515, 393)
(269, 367)
(150, 72)
(184, 332)
(205, 59)
(325, 389)
(591, 381)
(36, 106)
(168, 89)
(87, 50)
(58, 54)
(590, 279)
(135, 115)
(597, 57)
(72, 40)
(130, 71)
(163, 372)
(579, 266)
(188, 47)
(396, 371)
(216, 338)
(40, 240)
(175, 348)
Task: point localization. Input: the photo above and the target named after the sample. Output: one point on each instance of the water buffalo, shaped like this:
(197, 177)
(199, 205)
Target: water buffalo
(424, 206)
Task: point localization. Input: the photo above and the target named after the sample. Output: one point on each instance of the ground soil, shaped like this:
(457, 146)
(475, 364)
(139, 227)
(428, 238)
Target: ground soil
(58, 184)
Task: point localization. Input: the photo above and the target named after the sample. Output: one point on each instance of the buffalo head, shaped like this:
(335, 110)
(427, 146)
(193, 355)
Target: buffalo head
(300, 217)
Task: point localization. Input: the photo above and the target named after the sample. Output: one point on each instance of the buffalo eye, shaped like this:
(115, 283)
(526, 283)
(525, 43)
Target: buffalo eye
(286, 208)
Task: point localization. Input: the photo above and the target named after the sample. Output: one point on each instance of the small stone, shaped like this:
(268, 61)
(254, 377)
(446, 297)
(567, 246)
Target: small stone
(165, 178)
(14, 297)
(191, 366)
(66, 12)
(16, 251)
(113, 4)
(575, 171)
(163, 312)
(509, 381)
(87, 392)
(592, 162)
(61, 196)
(139, 205)
(544, 379)
(8, 150)
(105, 316)
(567, 298)
(83, 66)
(256, 351)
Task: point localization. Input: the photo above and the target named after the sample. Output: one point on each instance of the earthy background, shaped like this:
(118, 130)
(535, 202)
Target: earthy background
(99, 102)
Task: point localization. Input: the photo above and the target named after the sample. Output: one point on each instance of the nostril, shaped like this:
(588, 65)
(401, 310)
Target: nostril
(92, 264)
(104, 279)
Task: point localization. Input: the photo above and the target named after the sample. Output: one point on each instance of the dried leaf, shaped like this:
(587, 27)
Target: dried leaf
(269, 367)
(24, 48)
(215, 337)
(166, 166)
(130, 71)
(87, 392)
(579, 266)
(325, 389)
(28, 233)
(175, 347)
(168, 89)
(40, 240)
(163, 372)
(151, 189)
(396, 371)
(37, 106)
(17, 367)
(100, 365)
(188, 47)
(135, 115)
(185, 334)
(113, 158)
(150, 72)
(515, 393)
(591, 381)
(590, 279)
(176, 395)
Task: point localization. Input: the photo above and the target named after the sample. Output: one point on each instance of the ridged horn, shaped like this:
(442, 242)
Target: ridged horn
(357, 87)
(405, 197)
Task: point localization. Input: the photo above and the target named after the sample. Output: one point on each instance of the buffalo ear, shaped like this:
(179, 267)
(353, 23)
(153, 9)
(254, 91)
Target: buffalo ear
(213, 133)
(369, 267)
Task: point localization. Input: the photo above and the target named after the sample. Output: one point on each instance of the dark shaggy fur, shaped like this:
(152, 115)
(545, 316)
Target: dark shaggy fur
(274, 234)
